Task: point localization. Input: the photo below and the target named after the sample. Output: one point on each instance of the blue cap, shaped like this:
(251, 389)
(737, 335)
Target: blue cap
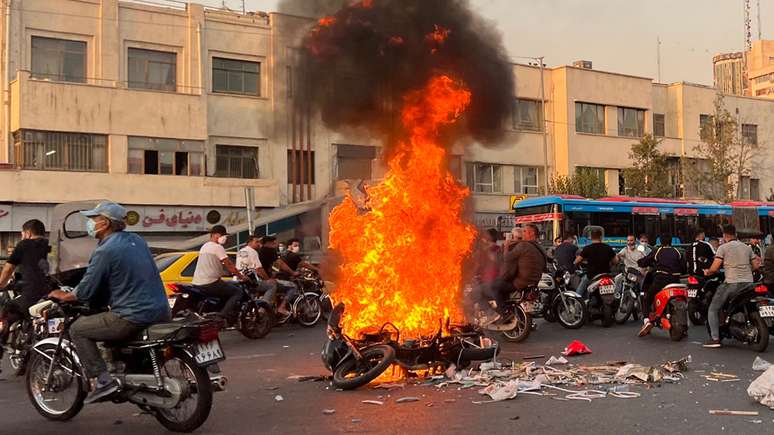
(108, 209)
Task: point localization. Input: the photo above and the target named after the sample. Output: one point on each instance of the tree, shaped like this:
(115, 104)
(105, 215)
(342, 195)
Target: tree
(725, 155)
(585, 182)
(648, 174)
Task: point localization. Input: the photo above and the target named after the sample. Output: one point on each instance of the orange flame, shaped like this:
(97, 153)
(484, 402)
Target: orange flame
(326, 21)
(402, 256)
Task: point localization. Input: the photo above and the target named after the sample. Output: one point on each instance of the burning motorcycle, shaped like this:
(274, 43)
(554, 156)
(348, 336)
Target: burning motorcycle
(164, 370)
(255, 318)
(743, 317)
(670, 310)
(356, 362)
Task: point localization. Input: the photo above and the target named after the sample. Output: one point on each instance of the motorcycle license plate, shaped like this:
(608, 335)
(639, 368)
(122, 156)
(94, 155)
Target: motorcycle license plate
(55, 325)
(209, 352)
(606, 289)
(766, 310)
(692, 292)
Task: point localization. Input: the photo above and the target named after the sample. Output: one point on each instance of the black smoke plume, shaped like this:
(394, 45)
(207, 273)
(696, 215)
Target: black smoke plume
(311, 8)
(361, 60)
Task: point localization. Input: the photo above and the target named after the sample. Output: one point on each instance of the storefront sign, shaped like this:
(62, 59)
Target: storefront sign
(182, 219)
(498, 221)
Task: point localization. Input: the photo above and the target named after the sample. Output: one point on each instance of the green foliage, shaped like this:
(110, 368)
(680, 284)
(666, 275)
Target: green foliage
(648, 175)
(586, 182)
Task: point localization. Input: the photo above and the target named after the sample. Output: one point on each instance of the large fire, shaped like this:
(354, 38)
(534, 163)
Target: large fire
(402, 253)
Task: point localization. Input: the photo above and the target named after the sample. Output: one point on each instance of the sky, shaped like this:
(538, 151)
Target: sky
(616, 35)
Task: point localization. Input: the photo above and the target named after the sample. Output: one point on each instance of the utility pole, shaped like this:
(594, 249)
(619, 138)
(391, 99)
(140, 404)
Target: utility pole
(545, 126)
(658, 56)
(747, 26)
(760, 31)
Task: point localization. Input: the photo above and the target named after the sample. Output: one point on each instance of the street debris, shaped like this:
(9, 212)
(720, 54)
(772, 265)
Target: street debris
(534, 357)
(407, 399)
(304, 378)
(762, 388)
(329, 411)
(727, 412)
(721, 377)
(760, 364)
(576, 348)
(389, 386)
(373, 402)
(556, 361)
(278, 398)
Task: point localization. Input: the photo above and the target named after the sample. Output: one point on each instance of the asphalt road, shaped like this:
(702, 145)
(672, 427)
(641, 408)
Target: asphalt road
(259, 371)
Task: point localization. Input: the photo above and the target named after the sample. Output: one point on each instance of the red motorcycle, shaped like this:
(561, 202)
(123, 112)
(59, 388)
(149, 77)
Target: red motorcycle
(671, 310)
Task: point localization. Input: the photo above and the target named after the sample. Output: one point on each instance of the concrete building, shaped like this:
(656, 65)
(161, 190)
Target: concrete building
(730, 73)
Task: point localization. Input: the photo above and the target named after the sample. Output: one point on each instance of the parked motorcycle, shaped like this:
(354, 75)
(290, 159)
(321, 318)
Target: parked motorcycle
(670, 310)
(700, 292)
(356, 362)
(628, 300)
(255, 318)
(306, 308)
(164, 371)
(556, 303)
(601, 301)
(744, 316)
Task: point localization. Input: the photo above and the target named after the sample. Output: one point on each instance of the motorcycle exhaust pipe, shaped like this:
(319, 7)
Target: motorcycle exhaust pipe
(219, 382)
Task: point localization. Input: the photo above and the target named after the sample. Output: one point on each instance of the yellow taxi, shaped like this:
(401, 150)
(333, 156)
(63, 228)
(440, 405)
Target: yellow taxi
(177, 267)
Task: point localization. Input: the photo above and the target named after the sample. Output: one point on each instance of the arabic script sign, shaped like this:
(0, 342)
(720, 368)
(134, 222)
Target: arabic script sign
(182, 219)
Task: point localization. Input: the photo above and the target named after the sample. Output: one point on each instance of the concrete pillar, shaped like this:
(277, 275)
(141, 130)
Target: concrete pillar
(118, 154)
(611, 120)
(107, 57)
(611, 181)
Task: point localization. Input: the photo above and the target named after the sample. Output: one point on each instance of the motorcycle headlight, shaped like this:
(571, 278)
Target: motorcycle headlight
(631, 277)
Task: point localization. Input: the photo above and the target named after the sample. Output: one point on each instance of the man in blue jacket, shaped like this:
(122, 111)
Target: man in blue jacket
(123, 276)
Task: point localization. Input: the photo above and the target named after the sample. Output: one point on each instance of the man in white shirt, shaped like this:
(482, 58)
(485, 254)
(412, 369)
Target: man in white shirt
(248, 260)
(209, 271)
(629, 255)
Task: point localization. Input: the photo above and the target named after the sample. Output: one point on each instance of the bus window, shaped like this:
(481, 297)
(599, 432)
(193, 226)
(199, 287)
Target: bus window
(712, 224)
(574, 222)
(616, 225)
(685, 228)
(647, 224)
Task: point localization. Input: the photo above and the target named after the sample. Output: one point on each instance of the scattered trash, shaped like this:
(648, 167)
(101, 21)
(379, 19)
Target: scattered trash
(721, 377)
(450, 400)
(756, 421)
(390, 386)
(278, 398)
(373, 402)
(451, 372)
(534, 357)
(329, 411)
(727, 412)
(286, 347)
(356, 420)
(407, 399)
(271, 388)
(760, 364)
(762, 388)
(576, 348)
(556, 361)
(501, 391)
(304, 378)
(515, 418)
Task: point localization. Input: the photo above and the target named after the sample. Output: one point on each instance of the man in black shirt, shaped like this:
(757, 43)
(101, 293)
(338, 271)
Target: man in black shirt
(565, 254)
(268, 254)
(699, 256)
(30, 256)
(599, 257)
(669, 265)
(293, 259)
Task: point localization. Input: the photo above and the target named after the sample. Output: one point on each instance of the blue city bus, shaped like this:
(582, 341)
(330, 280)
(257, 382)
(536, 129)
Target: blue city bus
(620, 216)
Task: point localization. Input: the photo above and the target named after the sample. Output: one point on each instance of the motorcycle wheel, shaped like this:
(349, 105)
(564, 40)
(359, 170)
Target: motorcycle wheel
(572, 317)
(762, 332)
(353, 373)
(326, 306)
(17, 352)
(307, 309)
(608, 316)
(64, 398)
(625, 310)
(523, 326)
(193, 409)
(255, 321)
(695, 313)
(679, 322)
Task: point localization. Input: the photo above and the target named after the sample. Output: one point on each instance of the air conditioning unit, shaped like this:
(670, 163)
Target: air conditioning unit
(585, 64)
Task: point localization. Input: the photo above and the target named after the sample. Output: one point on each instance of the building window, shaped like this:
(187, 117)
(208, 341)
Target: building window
(236, 161)
(236, 76)
(484, 177)
(353, 162)
(525, 180)
(527, 115)
(750, 134)
(302, 167)
(598, 173)
(57, 151)
(58, 59)
(659, 125)
(631, 122)
(589, 118)
(151, 69)
(705, 121)
(755, 189)
(153, 156)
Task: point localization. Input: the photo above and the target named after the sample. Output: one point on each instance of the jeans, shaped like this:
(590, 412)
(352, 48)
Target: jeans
(725, 292)
(289, 288)
(269, 290)
(225, 291)
(11, 313)
(88, 330)
(583, 286)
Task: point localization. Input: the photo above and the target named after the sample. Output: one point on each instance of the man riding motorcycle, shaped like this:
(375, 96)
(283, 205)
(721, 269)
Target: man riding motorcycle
(699, 256)
(209, 272)
(630, 256)
(668, 265)
(524, 265)
(738, 262)
(29, 254)
(268, 256)
(599, 257)
(123, 276)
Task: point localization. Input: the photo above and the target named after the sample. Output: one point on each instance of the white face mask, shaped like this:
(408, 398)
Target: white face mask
(222, 240)
(295, 249)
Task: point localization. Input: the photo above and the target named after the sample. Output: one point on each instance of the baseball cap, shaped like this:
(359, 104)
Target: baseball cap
(108, 209)
(219, 229)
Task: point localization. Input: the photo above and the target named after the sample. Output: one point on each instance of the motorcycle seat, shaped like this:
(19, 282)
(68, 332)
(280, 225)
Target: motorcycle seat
(741, 297)
(161, 330)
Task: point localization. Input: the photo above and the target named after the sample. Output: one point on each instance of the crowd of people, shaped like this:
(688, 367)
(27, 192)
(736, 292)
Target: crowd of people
(520, 261)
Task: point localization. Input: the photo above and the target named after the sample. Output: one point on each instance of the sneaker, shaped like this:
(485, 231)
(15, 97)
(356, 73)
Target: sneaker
(646, 328)
(103, 392)
(488, 319)
(712, 343)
